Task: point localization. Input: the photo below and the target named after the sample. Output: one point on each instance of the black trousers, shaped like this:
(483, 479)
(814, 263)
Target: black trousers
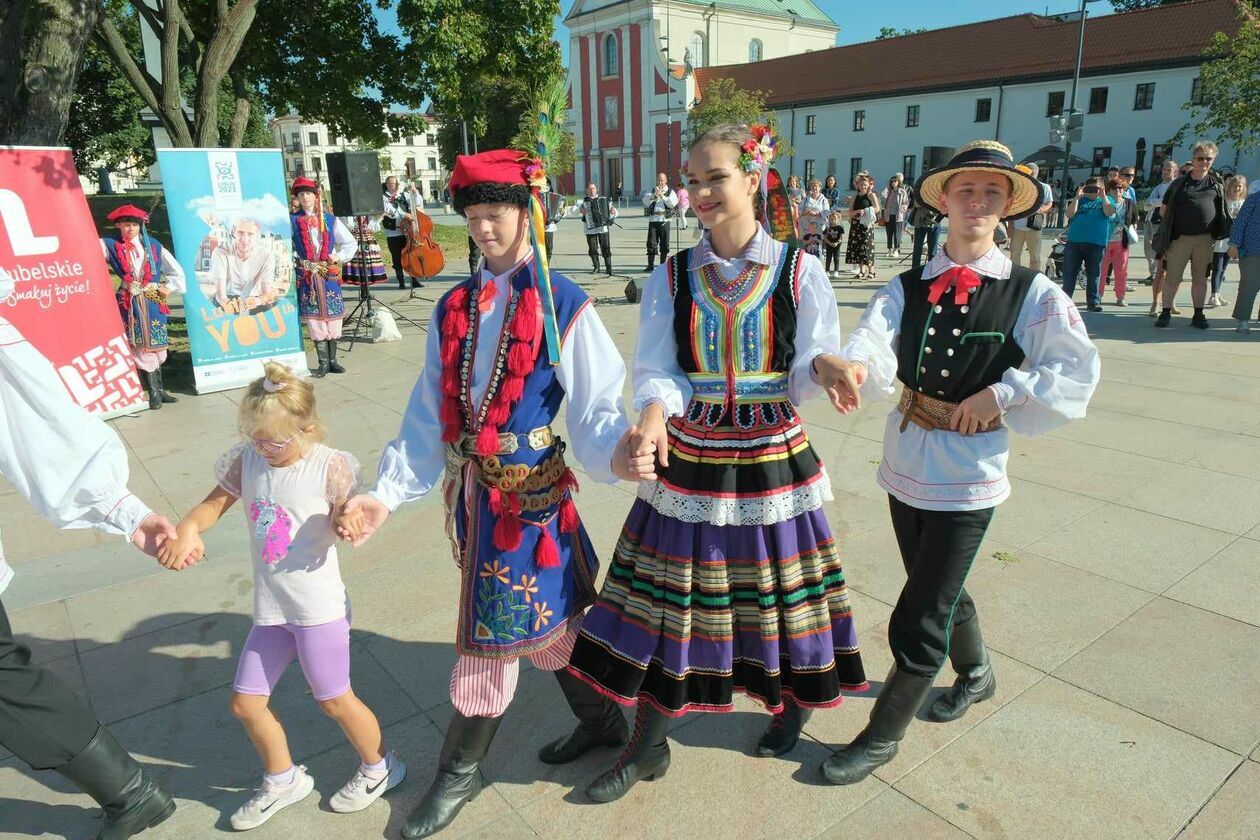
(42, 721)
(597, 243)
(549, 240)
(937, 549)
(658, 239)
(833, 257)
(396, 245)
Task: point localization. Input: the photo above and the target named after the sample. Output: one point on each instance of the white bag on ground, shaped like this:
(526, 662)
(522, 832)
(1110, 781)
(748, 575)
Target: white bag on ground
(384, 327)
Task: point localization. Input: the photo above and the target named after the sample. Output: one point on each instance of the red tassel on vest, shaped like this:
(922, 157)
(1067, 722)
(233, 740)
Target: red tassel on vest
(546, 553)
(488, 440)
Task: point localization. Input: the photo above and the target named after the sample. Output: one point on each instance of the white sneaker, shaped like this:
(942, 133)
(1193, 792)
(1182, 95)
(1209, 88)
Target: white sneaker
(1121, 302)
(1211, 302)
(362, 790)
(1220, 301)
(269, 799)
(1244, 327)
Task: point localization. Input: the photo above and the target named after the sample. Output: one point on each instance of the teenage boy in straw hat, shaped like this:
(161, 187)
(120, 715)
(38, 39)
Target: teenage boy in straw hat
(979, 346)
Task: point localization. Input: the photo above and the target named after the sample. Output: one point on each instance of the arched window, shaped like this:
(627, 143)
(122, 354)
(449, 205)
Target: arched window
(612, 55)
(754, 49)
(699, 55)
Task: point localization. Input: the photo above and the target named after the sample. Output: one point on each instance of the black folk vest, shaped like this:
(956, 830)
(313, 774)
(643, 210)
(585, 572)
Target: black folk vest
(949, 352)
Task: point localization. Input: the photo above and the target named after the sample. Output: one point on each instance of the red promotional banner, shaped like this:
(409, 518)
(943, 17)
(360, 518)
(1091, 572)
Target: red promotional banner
(63, 298)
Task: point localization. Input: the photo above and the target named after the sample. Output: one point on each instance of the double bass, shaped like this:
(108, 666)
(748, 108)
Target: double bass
(421, 256)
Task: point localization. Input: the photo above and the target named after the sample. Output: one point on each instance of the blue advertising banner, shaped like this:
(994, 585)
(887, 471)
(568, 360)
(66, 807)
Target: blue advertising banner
(230, 225)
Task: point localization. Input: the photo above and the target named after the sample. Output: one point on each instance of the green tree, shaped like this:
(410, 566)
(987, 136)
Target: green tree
(1228, 105)
(886, 32)
(512, 102)
(104, 128)
(1134, 5)
(40, 65)
(725, 102)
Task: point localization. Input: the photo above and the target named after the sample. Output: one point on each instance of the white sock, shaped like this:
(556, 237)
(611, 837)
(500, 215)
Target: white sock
(377, 769)
(284, 777)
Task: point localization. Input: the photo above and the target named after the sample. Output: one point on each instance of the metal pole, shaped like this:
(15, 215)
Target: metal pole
(1067, 134)
(465, 124)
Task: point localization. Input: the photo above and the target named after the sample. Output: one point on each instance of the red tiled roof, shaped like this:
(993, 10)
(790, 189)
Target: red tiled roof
(1019, 48)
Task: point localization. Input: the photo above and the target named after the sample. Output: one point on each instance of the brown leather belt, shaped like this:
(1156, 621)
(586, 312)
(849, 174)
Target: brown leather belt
(932, 414)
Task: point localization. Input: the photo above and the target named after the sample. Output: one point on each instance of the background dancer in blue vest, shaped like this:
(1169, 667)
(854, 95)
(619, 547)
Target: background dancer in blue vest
(508, 346)
(979, 346)
(322, 244)
(148, 274)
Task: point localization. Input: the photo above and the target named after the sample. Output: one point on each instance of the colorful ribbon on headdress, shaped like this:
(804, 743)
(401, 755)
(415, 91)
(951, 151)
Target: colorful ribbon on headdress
(537, 237)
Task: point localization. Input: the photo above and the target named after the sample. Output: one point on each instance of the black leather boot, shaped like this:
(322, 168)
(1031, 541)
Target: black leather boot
(459, 778)
(333, 365)
(132, 801)
(155, 395)
(784, 730)
(975, 682)
(161, 388)
(876, 745)
(600, 723)
(321, 353)
(646, 757)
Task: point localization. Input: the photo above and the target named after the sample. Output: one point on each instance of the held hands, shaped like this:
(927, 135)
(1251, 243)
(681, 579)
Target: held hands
(975, 412)
(642, 446)
(842, 380)
(358, 519)
(154, 533)
(184, 550)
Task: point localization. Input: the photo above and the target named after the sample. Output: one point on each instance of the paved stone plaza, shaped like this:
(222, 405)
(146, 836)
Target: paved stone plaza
(1119, 590)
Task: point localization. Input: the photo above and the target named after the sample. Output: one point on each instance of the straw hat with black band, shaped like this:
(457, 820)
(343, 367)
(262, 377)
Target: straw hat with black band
(983, 156)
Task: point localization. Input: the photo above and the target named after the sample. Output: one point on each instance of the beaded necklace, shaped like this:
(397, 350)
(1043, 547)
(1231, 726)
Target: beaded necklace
(725, 290)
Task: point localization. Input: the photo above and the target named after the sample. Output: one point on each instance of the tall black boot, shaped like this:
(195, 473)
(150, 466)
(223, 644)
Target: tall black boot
(784, 730)
(132, 801)
(975, 682)
(646, 757)
(459, 778)
(651, 262)
(161, 388)
(876, 745)
(155, 394)
(333, 365)
(600, 723)
(321, 353)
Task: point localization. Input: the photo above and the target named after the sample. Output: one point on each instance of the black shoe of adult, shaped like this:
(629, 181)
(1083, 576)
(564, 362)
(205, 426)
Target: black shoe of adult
(975, 683)
(1164, 318)
(161, 388)
(784, 730)
(649, 268)
(132, 801)
(402, 283)
(321, 353)
(416, 284)
(600, 723)
(1199, 321)
(1095, 307)
(876, 745)
(333, 365)
(459, 778)
(646, 757)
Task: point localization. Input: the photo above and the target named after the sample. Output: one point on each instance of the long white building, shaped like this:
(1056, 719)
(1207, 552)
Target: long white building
(882, 105)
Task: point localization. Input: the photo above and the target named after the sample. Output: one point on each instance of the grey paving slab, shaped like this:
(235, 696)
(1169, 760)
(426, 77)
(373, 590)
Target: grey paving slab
(1140, 549)
(419, 656)
(1036, 510)
(1234, 813)
(1061, 762)
(1189, 668)
(1041, 612)
(46, 630)
(1234, 454)
(1176, 442)
(1212, 499)
(850, 514)
(1228, 584)
(1208, 411)
(73, 572)
(893, 814)
(1082, 468)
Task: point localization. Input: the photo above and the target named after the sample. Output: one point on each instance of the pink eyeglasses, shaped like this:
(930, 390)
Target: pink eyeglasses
(271, 447)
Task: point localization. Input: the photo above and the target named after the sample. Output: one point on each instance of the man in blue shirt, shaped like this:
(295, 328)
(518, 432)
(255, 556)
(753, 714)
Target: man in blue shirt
(1089, 215)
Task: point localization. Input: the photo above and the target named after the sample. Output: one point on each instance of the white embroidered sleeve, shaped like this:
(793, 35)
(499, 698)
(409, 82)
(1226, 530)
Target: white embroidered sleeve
(593, 376)
(874, 341)
(344, 245)
(412, 462)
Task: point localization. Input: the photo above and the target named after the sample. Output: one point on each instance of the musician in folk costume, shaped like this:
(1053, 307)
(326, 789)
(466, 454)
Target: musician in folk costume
(659, 203)
(597, 213)
(726, 578)
(321, 244)
(398, 209)
(979, 346)
(510, 344)
(149, 273)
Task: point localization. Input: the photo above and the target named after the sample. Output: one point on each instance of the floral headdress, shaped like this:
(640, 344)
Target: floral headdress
(757, 152)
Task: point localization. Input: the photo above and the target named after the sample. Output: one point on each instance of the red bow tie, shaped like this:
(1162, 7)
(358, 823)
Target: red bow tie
(485, 298)
(963, 279)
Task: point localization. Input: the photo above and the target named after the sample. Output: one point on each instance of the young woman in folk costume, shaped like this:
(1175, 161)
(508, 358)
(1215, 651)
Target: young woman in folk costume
(726, 577)
(321, 245)
(508, 346)
(148, 273)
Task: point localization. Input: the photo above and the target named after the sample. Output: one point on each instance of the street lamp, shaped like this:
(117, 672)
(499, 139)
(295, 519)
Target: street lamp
(1070, 126)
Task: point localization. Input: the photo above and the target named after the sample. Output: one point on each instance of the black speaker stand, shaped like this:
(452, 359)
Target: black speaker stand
(361, 316)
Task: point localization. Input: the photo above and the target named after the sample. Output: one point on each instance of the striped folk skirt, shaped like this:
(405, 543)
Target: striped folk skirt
(366, 265)
(726, 577)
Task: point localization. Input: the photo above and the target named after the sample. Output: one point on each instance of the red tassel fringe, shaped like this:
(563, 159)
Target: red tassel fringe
(513, 388)
(498, 412)
(547, 553)
(568, 516)
(525, 324)
(507, 528)
(488, 440)
(520, 360)
(496, 500)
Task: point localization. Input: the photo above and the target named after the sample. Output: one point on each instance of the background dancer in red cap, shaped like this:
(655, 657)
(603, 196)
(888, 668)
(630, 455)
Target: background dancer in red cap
(149, 273)
(321, 245)
(507, 346)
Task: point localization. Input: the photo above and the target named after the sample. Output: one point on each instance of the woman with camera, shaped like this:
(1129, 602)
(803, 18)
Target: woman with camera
(1089, 215)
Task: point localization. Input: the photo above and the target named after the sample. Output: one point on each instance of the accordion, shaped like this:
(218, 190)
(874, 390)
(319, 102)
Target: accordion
(554, 204)
(598, 212)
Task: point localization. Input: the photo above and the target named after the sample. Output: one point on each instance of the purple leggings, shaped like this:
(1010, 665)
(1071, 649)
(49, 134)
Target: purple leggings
(322, 649)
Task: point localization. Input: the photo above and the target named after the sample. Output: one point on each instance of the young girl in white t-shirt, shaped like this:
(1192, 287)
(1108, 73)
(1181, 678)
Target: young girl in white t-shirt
(292, 486)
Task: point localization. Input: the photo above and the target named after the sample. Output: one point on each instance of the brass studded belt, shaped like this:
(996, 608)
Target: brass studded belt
(537, 439)
(538, 487)
(932, 414)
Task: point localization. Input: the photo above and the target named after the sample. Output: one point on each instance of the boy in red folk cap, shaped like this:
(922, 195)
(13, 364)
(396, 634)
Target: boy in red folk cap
(979, 346)
(321, 245)
(508, 346)
(148, 273)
